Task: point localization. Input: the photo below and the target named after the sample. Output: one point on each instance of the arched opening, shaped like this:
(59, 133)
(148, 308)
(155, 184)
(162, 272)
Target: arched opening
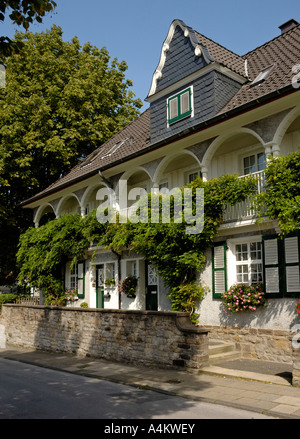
(291, 139)
(68, 204)
(177, 170)
(242, 153)
(43, 215)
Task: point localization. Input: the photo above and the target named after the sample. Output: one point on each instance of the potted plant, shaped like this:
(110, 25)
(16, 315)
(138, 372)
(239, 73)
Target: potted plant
(128, 286)
(243, 297)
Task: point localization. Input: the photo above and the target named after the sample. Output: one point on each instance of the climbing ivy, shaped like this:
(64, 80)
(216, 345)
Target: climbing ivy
(281, 198)
(177, 255)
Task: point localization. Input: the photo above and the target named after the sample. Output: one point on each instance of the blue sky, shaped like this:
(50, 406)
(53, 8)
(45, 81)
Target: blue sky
(134, 30)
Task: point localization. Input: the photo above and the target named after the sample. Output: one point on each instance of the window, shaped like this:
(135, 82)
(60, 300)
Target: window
(248, 262)
(262, 76)
(193, 176)
(180, 106)
(254, 163)
(77, 279)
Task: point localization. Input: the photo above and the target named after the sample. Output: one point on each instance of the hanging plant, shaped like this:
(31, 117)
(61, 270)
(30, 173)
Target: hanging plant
(128, 286)
(243, 297)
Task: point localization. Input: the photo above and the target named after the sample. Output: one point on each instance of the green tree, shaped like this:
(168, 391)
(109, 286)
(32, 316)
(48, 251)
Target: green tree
(22, 13)
(61, 101)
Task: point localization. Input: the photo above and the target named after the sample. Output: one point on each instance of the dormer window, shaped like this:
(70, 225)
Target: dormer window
(262, 76)
(180, 106)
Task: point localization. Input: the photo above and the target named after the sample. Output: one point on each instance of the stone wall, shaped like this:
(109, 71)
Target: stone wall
(257, 343)
(296, 361)
(150, 338)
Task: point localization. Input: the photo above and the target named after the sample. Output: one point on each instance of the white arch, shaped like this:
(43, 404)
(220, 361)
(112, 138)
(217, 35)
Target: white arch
(89, 190)
(62, 201)
(40, 211)
(167, 160)
(127, 174)
(214, 146)
(284, 125)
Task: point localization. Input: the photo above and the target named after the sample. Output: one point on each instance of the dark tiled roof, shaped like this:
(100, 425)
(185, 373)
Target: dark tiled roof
(131, 140)
(283, 52)
(222, 55)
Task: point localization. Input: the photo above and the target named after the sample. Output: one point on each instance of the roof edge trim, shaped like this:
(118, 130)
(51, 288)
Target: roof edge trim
(188, 33)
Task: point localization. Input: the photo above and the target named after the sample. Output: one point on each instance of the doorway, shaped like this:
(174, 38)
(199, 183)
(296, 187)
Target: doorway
(100, 286)
(151, 288)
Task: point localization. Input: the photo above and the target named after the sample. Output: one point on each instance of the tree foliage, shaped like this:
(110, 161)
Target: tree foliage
(61, 101)
(23, 13)
(281, 199)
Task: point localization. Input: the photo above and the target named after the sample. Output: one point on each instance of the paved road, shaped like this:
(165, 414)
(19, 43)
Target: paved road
(32, 392)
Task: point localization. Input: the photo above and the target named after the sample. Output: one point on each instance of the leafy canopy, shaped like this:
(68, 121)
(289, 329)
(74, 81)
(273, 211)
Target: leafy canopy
(60, 102)
(23, 13)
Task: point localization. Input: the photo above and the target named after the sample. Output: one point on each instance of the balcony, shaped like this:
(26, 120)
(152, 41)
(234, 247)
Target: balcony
(245, 209)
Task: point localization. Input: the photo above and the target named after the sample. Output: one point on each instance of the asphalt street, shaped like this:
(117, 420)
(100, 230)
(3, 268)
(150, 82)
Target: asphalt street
(32, 392)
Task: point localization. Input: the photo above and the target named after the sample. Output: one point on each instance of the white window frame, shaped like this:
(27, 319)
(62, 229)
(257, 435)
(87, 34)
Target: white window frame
(233, 262)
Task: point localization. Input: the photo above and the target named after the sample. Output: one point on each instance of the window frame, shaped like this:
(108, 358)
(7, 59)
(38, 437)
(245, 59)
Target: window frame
(76, 277)
(249, 261)
(255, 155)
(180, 115)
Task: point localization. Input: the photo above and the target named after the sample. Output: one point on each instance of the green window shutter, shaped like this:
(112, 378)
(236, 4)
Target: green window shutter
(281, 265)
(272, 266)
(219, 270)
(291, 245)
(81, 279)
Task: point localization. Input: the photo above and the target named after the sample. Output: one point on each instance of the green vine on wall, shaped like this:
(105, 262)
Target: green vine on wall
(176, 255)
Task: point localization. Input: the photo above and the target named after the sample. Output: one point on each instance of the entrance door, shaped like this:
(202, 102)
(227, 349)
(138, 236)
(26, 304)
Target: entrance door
(100, 286)
(151, 288)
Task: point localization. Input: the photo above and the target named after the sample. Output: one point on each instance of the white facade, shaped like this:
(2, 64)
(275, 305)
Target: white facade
(238, 144)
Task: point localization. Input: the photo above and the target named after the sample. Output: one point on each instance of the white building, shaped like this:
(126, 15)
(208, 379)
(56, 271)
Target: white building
(212, 112)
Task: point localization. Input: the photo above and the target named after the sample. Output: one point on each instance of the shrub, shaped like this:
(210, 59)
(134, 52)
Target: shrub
(84, 305)
(7, 298)
(186, 297)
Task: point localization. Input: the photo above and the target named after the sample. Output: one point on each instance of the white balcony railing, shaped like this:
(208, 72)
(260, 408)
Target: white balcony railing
(245, 209)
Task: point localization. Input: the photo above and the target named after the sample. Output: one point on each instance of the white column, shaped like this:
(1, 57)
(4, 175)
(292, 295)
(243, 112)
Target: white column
(275, 150)
(204, 172)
